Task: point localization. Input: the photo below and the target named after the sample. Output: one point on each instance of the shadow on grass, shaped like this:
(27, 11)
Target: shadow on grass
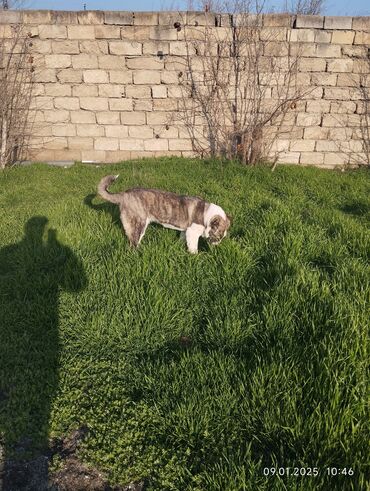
(32, 272)
(106, 207)
(357, 208)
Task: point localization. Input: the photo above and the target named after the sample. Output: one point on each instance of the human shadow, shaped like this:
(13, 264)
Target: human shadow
(109, 208)
(32, 273)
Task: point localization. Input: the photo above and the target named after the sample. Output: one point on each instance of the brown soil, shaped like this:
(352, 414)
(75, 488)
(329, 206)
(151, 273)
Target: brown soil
(33, 475)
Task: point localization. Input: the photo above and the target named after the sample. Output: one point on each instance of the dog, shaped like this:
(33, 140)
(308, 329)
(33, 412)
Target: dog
(191, 215)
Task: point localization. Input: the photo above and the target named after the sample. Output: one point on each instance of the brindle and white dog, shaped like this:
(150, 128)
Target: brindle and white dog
(192, 215)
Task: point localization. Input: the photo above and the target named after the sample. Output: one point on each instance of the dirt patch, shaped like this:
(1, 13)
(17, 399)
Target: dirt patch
(33, 475)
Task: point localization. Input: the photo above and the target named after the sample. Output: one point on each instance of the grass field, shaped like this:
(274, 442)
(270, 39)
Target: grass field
(191, 372)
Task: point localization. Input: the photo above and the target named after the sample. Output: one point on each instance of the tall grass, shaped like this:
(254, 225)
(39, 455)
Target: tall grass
(193, 372)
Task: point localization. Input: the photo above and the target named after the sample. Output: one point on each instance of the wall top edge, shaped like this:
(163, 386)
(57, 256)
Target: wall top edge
(192, 18)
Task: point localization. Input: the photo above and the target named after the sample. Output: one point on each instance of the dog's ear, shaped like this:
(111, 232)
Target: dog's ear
(215, 222)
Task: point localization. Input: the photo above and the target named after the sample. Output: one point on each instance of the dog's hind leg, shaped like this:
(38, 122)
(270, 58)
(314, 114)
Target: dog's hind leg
(134, 228)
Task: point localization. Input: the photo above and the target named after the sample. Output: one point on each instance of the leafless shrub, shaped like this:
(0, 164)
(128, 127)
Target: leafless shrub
(16, 84)
(238, 87)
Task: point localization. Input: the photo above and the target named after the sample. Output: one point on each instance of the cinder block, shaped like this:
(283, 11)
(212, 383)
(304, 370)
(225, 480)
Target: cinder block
(273, 34)
(159, 118)
(343, 107)
(144, 77)
(107, 32)
(301, 35)
(323, 36)
(348, 80)
(318, 106)
(278, 20)
(125, 48)
(145, 18)
(316, 133)
(84, 90)
(180, 144)
(310, 21)
(362, 38)
(108, 117)
(308, 119)
(355, 51)
(326, 146)
(340, 65)
(168, 131)
(111, 62)
(91, 130)
(311, 158)
(80, 143)
(328, 50)
(111, 90)
(94, 47)
(311, 65)
(82, 117)
(94, 103)
(159, 91)
(40, 46)
(161, 33)
(276, 49)
(52, 32)
(156, 144)
(140, 132)
(90, 17)
(106, 143)
(331, 22)
(135, 33)
(138, 92)
(337, 158)
(145, 63)
(64, 129)
(69, 103)
(46, 75)
(361, 23)
(57, 61)
(165, 105)
(93, 155)
(118, 155)
(11, 17)
(81, 32)
(159, 48)
(56, 116)
(120, 77)
(37, 17)
(289, 157)
(65, 47)
(116, 131)
(343, 37)
(324, 79)
(95, 77)
(302, 145)
(169, 18)
(84, 61)
(131, 144)
(181, 48)
(332, 120)
(63, 17)
(119, 18)
(143, 105)
(120, 104)
(133, 118)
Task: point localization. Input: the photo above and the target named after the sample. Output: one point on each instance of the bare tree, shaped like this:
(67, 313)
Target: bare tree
(16, 84)
(238, 87)
(304, 7)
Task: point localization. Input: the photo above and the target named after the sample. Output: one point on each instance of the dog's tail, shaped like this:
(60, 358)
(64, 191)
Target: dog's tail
(104, 193)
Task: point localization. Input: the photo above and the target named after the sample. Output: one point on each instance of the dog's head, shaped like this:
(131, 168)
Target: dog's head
(217, 228)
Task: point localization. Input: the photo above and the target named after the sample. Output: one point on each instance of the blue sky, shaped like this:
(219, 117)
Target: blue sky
(333, 7)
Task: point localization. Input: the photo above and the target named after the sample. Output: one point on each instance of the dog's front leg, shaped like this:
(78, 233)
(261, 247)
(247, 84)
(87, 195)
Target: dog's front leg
(192, 237)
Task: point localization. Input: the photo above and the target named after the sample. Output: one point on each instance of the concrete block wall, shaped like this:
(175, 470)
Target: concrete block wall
(108, 82)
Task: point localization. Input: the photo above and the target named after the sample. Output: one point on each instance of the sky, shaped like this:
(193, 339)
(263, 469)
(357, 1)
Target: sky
(332, 7)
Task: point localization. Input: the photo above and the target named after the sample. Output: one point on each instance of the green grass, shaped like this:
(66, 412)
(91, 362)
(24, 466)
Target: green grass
(192, 372)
